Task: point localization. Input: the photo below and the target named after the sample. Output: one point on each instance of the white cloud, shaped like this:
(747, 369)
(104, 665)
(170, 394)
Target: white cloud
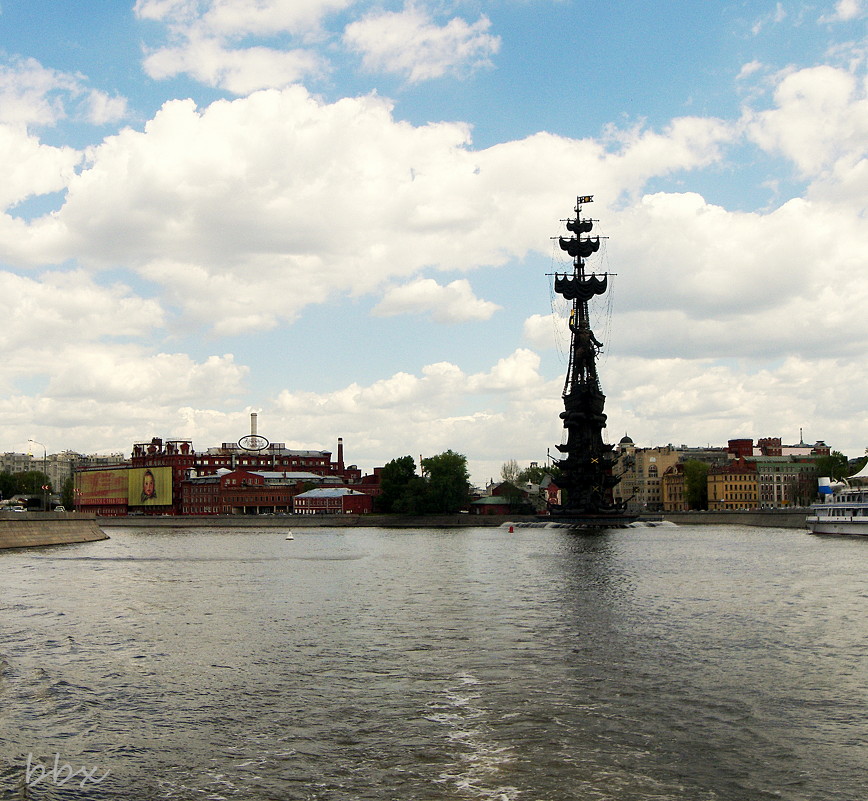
(30, 94)
(845, 10)
(819, 121)
(102, 109)
(30, 168)
(34, 95)
(453, 303)
(699, 401)
(749, 69)
(281, 194)
(245, 45)
(209, 41)
(425, 413)
(544, 331)
(62, 307)
(134, 373)
(773, 17)
(236, 18)
(240, 71)
(409, 43)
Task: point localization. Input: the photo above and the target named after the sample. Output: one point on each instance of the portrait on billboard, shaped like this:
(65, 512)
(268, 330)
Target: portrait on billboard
(150, 486)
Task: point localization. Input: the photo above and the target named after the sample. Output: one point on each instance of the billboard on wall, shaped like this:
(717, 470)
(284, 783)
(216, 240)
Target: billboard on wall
(100, 487)
(149, 486)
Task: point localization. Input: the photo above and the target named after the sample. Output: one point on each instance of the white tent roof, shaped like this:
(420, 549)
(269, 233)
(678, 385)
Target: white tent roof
(862, 475)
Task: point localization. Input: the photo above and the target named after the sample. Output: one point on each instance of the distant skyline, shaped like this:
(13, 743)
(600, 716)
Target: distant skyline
(339, 215)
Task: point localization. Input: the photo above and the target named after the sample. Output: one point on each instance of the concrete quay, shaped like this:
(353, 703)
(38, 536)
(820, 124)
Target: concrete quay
(767, 519)
(33, 529)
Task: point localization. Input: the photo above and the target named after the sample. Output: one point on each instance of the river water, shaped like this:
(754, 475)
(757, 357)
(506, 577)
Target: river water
(666, 663)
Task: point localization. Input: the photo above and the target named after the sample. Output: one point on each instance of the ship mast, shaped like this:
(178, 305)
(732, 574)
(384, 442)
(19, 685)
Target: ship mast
(586, 469)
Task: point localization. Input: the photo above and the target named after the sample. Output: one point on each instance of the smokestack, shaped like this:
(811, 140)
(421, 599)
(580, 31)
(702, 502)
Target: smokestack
(340, 453)
(253, 424)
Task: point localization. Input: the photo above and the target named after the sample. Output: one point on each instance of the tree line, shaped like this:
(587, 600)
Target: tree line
(30, 482)
(441, 487)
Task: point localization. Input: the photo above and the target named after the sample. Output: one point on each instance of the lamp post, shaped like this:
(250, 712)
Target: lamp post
(44, 472)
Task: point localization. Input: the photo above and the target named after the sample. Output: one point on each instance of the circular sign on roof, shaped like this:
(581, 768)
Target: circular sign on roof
(253, 442)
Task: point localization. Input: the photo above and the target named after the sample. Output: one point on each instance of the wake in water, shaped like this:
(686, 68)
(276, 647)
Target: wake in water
(480, 760)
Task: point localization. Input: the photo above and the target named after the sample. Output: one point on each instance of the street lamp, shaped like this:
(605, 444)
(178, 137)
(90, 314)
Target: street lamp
(44, 472)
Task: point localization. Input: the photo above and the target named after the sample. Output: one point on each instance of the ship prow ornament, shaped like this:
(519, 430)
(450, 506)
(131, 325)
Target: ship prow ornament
(587, 477)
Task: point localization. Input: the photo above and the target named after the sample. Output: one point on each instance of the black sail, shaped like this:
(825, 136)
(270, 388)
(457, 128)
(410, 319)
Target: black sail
(573, 288)
(580, 248)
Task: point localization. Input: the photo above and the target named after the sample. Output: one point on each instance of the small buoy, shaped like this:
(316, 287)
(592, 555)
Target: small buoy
(511, 530)
(289, 535)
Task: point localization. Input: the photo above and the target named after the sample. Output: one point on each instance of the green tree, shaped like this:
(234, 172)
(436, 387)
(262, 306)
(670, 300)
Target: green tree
(834, 465)
(67, 494)
(7, 485)
(534, 474)
(395, 478)
(414, 497)
(448, 482)
(696, 484)
(30, 481)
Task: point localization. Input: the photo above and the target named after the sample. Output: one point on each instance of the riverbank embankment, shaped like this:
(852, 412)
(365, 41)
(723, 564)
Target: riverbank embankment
(32, 529)
(766, 519)
(769, 518)
(312, 521)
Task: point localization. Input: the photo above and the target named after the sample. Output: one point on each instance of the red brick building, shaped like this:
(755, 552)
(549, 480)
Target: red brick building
(239, 492)
(171, 478)
(332, 501)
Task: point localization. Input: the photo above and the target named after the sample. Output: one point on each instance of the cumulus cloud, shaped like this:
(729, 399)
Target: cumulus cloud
(699, 401)
(244, 45)
(819, 120)
(34, 95)
(239, 71)
(544, 331)
(30, 168)
(210, 41)
(134, 373)
(426, 412)
(453, 303)
(236, 18)
(62, 307)
(283, 193)
(409, 43)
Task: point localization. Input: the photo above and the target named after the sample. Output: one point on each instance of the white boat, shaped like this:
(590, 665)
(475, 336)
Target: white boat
(289, 535)
(845, 510)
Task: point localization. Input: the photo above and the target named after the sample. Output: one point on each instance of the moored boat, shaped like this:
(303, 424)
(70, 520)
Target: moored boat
(845, 510)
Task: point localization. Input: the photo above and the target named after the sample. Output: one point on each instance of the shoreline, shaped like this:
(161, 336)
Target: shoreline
(764, 519)
(41, 529)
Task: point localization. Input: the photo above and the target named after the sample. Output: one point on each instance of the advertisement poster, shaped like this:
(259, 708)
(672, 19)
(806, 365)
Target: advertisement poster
(149, 486)
(102, 487)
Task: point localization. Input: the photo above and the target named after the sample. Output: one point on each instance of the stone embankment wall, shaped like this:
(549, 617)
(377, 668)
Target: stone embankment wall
(31, 529)
(774, 519)
(310, 521)
(770, 519)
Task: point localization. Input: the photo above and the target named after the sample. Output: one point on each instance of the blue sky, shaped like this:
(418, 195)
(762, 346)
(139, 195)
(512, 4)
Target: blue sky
(340, 215)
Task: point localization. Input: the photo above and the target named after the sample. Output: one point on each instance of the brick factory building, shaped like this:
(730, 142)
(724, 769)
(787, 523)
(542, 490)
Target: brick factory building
(332, 501)
(251, 476)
